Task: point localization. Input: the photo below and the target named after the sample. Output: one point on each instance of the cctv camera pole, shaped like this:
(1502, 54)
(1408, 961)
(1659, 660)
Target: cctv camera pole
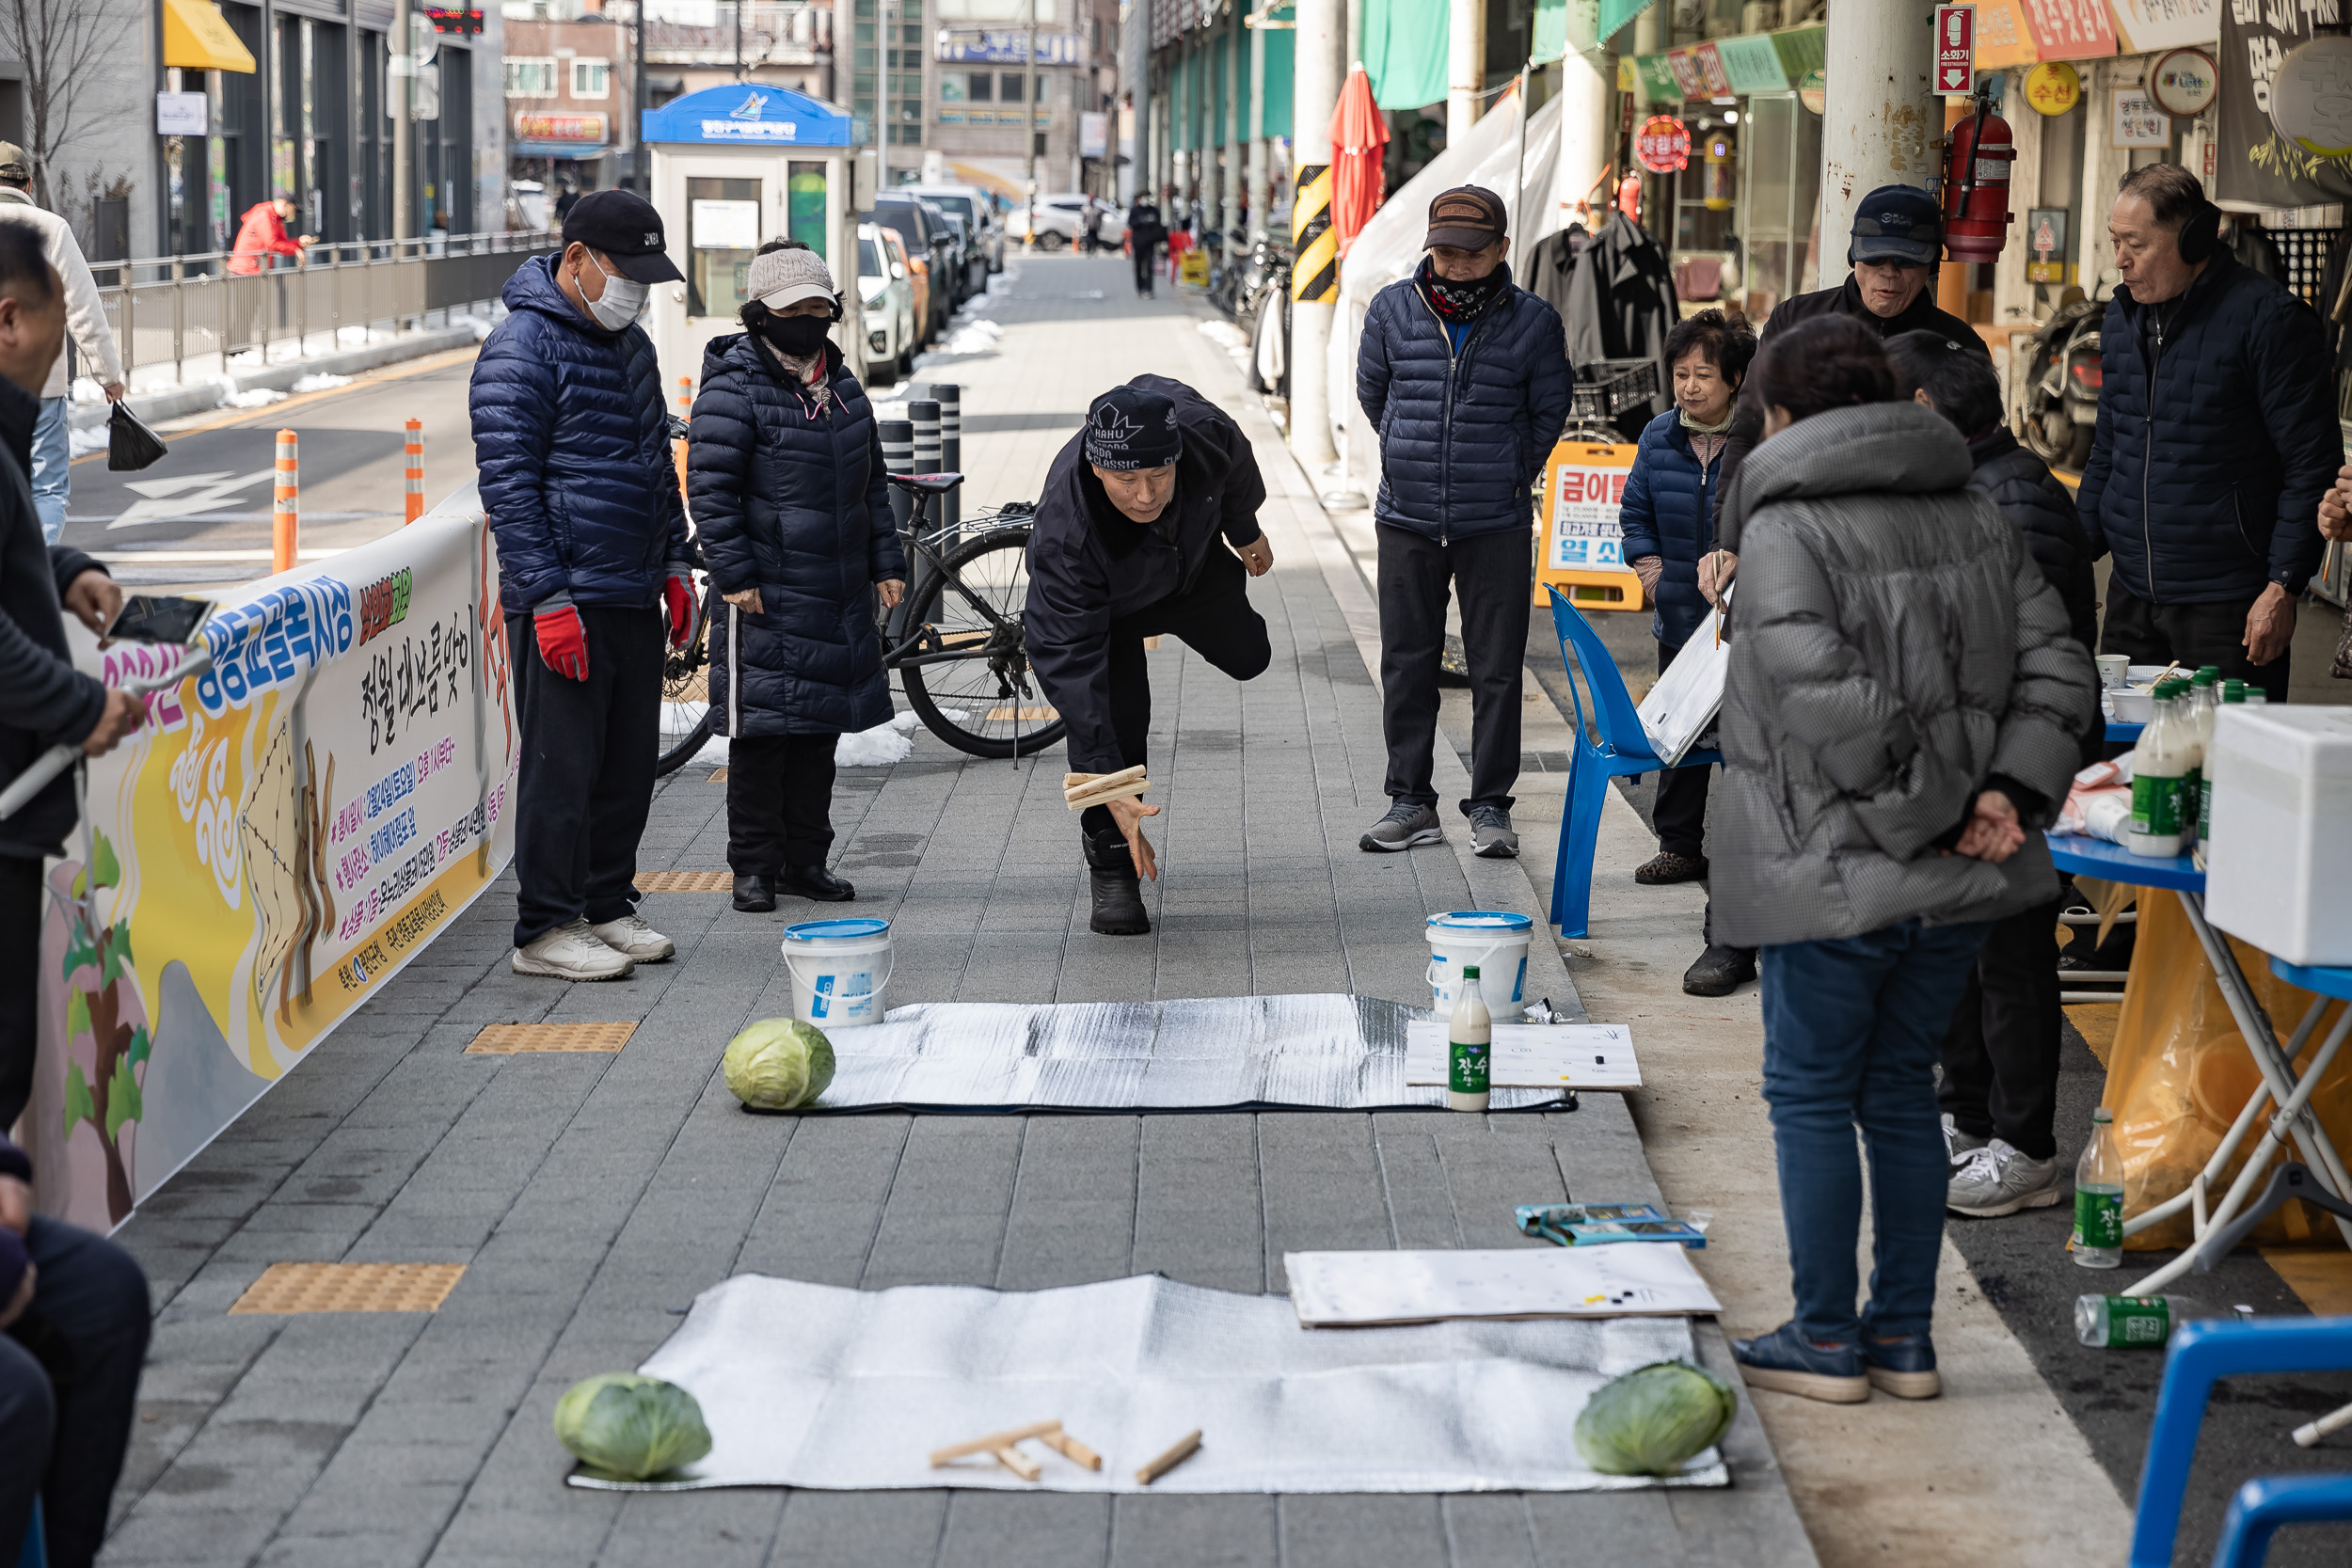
(401, 80)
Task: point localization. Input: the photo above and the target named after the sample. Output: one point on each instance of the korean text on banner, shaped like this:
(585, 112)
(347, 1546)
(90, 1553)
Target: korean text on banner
(284, 834)
(1583, 543)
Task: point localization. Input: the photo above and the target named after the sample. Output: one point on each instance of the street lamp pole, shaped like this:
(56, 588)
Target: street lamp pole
(401, 82)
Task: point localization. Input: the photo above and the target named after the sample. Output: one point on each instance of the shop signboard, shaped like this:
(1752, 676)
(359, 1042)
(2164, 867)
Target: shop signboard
(2003, 39)
(1956, 50)
(2136, 120)
(1583, 543)
(1813, 90)
(1688, 77)
(2070, 30)
(2255, 165)
(1659, 85)
(533, 125)
(2310, 97)
(2053, 88)
(1664, 144)
(2145, 27)
(1750, 64)
(1711, 63)
(182, 114)
(1801, 50)
(1094, 131)
(2184, 81)
(2045, 243)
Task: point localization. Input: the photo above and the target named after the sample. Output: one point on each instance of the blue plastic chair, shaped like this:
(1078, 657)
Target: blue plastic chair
(1623, 752)
(2199, 1354)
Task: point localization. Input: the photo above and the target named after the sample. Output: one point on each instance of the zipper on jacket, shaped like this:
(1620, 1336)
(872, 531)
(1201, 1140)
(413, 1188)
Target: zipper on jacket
(1455, 360)
(2148, 458)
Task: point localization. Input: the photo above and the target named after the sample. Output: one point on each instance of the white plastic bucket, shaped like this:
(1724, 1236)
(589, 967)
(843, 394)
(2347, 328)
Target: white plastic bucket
(838, 969)
(1495, 942)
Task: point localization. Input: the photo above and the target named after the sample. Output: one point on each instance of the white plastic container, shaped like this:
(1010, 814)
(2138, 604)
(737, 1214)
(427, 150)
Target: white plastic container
(2279, 870)
(1495, 941)
(838, 969)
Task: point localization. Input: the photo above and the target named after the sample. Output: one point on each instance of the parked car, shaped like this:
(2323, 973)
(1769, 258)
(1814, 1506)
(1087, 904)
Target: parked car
(1060, 219)
(930, 242)
(973, 205)
(971, 265)
(885, 285)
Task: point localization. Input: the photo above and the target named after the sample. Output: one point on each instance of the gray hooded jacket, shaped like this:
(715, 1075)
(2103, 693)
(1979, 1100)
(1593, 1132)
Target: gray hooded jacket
(1894, 648)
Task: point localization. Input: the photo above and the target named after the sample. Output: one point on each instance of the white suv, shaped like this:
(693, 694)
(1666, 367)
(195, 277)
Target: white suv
(1061, 220)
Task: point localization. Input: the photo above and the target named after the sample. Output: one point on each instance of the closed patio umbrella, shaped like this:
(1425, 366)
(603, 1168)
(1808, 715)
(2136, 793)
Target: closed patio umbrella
(1360, 138)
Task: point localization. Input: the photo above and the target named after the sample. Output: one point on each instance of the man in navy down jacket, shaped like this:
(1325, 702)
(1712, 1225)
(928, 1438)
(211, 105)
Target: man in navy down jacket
(1466, 377)
(2216, 438)
(595, 565)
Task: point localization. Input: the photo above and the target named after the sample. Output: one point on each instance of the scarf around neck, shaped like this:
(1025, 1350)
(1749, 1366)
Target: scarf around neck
(1459, 302)
(1697, 428)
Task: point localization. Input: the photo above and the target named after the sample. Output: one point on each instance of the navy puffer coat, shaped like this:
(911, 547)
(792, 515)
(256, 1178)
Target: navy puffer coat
(2216, 492)
(573, 448)
(791, 502)
(1669, 511)
(1462, 437)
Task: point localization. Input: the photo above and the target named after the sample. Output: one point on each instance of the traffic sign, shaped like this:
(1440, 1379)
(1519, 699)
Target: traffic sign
(1955, 50)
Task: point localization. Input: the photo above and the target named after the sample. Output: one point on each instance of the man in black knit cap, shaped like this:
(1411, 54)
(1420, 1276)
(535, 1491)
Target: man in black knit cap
(1132, 542)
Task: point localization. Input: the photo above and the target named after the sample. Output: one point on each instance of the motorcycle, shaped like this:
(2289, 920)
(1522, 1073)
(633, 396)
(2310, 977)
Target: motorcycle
(2062, 385)
(1262, 305)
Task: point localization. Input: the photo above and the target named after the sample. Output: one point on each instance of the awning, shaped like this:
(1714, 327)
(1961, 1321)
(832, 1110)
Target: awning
(197, 37)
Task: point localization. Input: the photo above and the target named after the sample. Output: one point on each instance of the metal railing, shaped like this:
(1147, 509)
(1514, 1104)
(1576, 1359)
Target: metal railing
(169, 310)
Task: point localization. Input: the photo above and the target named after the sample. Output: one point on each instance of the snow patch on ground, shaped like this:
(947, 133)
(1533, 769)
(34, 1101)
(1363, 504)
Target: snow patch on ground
(84, 442)
(1228, 338)
(254, 396)
(321, 383)
(965, 340)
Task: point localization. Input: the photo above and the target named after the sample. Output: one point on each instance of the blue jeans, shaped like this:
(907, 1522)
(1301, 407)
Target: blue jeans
(52, 450)
(1851, 1033)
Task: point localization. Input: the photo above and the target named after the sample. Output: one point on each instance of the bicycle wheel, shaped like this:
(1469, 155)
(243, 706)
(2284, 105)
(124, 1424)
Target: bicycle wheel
(685, 700)
(973, 688)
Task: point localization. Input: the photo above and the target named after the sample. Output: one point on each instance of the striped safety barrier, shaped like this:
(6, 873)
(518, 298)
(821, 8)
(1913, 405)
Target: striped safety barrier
(1315, 273)
(285, 504)
(415, 451)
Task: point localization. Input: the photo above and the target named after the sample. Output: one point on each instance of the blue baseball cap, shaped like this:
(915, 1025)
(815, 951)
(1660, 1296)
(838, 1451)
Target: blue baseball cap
(1896, 223)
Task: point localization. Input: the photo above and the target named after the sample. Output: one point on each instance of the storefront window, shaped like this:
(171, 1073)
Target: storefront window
(723, 234)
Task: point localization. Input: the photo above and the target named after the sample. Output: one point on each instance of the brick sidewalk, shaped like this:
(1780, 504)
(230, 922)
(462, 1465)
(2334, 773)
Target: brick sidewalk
(592, 1197)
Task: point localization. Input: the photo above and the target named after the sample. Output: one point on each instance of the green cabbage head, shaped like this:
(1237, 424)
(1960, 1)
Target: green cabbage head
(635, 1427)
(778, 1064)
(1654, 1419)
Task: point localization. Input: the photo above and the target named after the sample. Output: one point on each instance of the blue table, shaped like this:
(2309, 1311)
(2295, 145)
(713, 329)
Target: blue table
(2122, 734)
(2095, 857)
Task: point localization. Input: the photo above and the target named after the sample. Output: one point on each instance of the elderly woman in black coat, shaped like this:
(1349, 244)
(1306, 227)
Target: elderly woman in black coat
(784, 479)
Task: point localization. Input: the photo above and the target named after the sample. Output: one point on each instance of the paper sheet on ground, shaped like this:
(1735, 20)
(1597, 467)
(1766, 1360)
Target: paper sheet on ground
(1340, 1289)
(820, 1386)
(1343, 1052)
(1532, 1055)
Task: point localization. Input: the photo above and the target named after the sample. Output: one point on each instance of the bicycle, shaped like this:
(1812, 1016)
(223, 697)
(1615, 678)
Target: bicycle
(956, 639)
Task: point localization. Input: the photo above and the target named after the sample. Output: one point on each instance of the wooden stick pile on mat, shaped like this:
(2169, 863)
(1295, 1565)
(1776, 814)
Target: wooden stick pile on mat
(1099, 789)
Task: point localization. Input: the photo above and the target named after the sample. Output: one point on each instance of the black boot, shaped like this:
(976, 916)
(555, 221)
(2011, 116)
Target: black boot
(1118, 891)
(815, 881)
(755, 895)
(1720, 971)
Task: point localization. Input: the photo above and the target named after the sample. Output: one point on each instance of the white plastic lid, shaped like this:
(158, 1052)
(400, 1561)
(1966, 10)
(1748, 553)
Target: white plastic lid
(1483, 920)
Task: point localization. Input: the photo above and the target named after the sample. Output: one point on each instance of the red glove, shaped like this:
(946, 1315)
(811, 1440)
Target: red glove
(678, 598)
(562, 641)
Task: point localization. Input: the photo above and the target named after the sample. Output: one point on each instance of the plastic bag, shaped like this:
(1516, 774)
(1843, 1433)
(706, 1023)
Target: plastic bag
(130, 445)
(1681, 708)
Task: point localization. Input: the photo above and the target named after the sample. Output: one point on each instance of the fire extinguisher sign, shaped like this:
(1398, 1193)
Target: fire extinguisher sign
(1956, 50)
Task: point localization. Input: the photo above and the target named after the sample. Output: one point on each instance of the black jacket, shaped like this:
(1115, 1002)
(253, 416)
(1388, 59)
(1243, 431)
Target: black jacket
(1088, 562)
(795, 506)
(44, 699)
(2206, 468)
(2020, 486)
(1621, 301)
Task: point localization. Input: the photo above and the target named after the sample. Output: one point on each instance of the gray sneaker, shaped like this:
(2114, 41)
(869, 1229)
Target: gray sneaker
(1405, 826)
(1958, 1144)
(1491, 834)
(1997, 1179)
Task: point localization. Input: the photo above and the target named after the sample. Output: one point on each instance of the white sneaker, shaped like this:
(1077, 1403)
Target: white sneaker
(631, 935)
(573, 953)
(1997, 1179)
(1959, 1146)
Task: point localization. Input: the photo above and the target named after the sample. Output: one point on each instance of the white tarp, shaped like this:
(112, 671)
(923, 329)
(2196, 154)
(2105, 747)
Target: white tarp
(817, 1386)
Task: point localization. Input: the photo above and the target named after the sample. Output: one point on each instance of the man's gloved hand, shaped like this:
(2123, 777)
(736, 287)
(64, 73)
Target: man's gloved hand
(562, 641)
(677, 601)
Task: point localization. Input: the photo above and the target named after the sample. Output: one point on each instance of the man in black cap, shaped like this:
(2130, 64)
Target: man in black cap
(1127, 546)
(572, 441)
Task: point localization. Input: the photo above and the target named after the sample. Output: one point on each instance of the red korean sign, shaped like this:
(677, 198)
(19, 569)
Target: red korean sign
(2070, 30)
(1664, 144)
(1956, 50)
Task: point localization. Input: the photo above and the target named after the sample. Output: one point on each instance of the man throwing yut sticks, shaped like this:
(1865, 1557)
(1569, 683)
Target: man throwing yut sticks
(1130, 542)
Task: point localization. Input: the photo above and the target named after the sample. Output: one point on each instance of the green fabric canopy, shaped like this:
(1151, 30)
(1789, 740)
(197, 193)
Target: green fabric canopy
(1405, 52)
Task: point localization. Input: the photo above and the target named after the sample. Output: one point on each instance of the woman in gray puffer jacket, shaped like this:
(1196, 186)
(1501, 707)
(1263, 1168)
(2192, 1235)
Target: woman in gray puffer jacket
(1903, 712)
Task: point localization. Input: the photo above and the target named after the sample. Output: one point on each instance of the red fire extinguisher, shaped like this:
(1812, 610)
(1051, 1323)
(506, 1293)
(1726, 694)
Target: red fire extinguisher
(1976, 159)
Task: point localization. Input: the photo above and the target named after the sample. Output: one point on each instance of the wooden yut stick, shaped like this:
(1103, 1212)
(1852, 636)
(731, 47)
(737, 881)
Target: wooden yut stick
(1018, 1463)
(1086, 798)
(993, 1441)
(1070, 1449)
(1081, 789)
(1182, 1450)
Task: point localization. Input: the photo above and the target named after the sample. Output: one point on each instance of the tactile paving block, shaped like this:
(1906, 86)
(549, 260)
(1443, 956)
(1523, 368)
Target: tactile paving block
(507, 1039)
(684, 881)
(350, 1288)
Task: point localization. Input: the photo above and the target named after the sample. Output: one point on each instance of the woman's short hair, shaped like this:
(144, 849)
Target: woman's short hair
(1827, 362)
(1727, 342)
(1959, 379)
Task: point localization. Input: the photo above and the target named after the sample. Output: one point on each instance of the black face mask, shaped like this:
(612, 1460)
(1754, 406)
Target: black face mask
(797, 336)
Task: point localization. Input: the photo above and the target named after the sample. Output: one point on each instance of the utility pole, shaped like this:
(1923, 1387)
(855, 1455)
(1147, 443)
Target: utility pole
(1028, 113)
(1315, 273)
(1137, 70)
(1261, 190)
(1465, 68)
(1881, 117)
(1588, 119)
(401, 77)
(641, 168)
(739, 40)
(881, 96)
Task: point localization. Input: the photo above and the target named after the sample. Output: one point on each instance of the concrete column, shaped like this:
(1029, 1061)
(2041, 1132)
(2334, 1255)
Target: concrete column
(1315, 276)
(1261, 190)
(1235, 44)
(1650, 38)
(1466, 66)
(1134, 66)
(1588, 122)
(2103, 170)
(1881, 120)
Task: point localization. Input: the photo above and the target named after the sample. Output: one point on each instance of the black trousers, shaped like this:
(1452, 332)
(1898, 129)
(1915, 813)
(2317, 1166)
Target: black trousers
(69, 1387)
(1680, 813)
(1215, 620)
(2196, 634)
(779, 801)
(20, 986)
(1145, 262)
(2001, 1051)
(1493, 576)
(588, 751)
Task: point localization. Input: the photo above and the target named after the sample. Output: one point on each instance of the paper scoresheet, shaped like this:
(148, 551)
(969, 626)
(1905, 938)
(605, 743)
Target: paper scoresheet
(1533, 1056)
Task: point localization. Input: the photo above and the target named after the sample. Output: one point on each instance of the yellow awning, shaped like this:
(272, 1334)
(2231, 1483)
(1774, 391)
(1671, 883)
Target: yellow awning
(197, 37)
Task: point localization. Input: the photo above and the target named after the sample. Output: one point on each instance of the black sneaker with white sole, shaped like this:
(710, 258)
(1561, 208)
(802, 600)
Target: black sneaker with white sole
(1490, 833)
(1405, 826)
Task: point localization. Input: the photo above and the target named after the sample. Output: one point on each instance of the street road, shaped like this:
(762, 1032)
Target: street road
(199, 519)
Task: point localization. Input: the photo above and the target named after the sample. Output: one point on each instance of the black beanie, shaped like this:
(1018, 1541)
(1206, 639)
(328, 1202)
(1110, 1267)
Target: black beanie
(1128, 429)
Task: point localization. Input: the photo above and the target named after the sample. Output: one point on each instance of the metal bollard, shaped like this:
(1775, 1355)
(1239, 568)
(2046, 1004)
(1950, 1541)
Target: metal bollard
(285, 505)
(950, 398)
(415, 450)
(898, 445)
(923, 413)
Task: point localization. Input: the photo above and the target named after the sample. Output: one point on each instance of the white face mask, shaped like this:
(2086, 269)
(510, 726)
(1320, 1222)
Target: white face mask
(623, 301)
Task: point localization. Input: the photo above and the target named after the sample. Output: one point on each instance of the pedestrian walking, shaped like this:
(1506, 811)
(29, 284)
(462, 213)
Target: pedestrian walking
(1669, 517)
(572, 442)
(2000, 1055)
(784, 472)
(85, 319)
(1093, 226)
(2217, 438)
(1905, 708)
(1466, 377)
(263, 235)
(1146, 233)
(1148, 527)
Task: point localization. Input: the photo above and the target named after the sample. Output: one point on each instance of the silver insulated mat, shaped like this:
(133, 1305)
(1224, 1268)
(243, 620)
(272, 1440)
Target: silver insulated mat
(1326, 1052)
(815, 1386)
